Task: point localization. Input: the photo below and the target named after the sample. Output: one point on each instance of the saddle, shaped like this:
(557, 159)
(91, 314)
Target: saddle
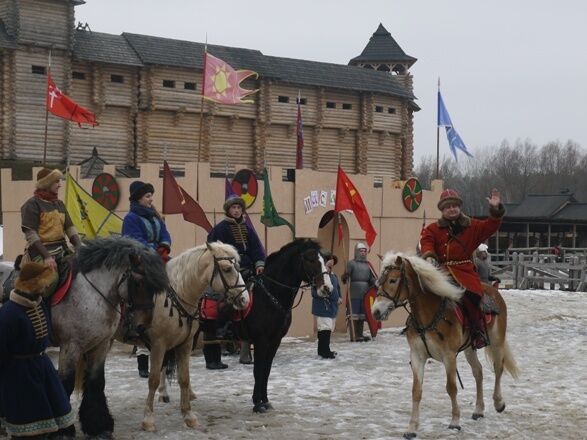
(487, 306)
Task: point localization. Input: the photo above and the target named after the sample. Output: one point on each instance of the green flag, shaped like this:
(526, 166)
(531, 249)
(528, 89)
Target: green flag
(269, 216)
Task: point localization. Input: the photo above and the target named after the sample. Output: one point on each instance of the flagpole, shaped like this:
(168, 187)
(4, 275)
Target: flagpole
(437, 133)
(46, 111)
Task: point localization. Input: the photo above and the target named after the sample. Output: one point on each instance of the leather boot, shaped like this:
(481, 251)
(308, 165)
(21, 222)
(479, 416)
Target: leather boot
(143, 365)
(360, 325)
(212, 357)
(324, 345)
(354, 331)
(477, 327)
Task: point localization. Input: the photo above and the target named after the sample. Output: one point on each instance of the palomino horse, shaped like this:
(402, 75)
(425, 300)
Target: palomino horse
(274, 294)
(434, 331)
(212, 266)
(109, 272)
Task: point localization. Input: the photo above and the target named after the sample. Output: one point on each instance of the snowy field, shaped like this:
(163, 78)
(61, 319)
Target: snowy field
(366, 392)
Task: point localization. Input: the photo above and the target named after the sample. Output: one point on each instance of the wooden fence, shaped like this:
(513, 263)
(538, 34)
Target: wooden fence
(521, 270)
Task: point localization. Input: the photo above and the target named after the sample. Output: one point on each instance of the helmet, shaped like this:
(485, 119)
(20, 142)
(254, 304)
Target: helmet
(482, 247)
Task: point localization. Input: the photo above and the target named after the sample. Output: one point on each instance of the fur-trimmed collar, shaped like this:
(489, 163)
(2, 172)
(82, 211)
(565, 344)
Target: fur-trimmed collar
(18, 298)
(463, 220)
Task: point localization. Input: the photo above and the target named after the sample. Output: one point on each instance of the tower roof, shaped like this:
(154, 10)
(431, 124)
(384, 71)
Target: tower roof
(383, 48)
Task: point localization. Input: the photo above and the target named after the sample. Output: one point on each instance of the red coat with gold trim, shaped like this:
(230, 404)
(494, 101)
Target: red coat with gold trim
(453, 244)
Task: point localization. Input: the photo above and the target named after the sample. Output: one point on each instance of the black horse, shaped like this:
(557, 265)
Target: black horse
(274, 294)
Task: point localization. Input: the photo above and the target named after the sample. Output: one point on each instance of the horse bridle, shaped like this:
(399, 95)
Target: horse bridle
(311, 283)
(225, 284)
(382, 292)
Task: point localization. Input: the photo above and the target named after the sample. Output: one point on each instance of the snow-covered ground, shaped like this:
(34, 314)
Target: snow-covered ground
(366, 392)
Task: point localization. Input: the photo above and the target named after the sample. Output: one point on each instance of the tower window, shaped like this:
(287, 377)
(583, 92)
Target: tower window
(378, 109)
(347, 106)
(189, 86)
(331, 104)
(168, 83)
(283, 99)
(78, 75)
(391, 111)
(39, 70)
(303, 101)
(117, 79)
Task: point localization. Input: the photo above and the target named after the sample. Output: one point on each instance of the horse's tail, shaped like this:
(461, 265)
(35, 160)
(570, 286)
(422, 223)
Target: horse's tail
(509, 363)
(80, 372)
(170, 364)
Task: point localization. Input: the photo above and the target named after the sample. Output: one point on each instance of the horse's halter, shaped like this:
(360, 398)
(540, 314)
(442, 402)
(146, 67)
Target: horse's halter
(395, 299)
(227, 287)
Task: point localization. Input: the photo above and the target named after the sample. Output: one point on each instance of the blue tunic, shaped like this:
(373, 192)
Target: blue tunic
(32, 398)
(327, 307)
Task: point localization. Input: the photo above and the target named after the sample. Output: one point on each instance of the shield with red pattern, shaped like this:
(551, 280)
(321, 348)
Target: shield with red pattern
(368, 301)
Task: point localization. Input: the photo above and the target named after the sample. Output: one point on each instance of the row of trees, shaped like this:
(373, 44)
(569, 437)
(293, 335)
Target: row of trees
(516, 170)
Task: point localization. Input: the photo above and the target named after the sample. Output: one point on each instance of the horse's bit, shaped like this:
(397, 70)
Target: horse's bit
(382, 292)
(227, 286)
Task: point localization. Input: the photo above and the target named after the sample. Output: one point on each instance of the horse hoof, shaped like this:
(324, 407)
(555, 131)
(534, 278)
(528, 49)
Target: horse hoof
(500, 409)
(268, 406)
(410, 435)
(455, 427)
(260, 408)
(477, 416)
(148, 426)
(191, 422)
(164, 399)
(103, 436)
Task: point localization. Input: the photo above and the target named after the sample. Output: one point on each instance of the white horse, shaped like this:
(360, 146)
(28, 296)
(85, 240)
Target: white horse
(215, 266)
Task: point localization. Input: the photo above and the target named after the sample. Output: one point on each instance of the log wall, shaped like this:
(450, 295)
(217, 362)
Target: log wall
(9, 16)
(46, 22)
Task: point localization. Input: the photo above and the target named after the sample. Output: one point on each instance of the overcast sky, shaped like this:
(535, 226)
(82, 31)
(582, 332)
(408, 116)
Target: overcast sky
(509, 69)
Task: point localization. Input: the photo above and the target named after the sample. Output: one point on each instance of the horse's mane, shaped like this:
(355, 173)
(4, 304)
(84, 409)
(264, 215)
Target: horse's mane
(183, 269)
(431, 278)
(296, 246)
(114, 253)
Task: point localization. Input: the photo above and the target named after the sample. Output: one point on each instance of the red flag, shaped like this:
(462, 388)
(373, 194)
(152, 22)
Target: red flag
(64, 107)
(348, 197)
(300, 133)
(222, 83)
(177, 201)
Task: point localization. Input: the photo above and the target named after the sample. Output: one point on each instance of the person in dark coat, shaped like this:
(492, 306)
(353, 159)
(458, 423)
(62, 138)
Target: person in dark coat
(145, 224)
(33, 402)
(450, 243)
(326, 309)
(233, 230)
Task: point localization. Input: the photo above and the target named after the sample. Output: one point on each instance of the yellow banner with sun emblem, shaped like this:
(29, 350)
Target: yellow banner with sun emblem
(89, 217)
(222, 83)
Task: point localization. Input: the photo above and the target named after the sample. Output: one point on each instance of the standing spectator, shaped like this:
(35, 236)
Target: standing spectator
(145, 224)
(33, 402)
(361, 278)
(326, 309)
(481, 261)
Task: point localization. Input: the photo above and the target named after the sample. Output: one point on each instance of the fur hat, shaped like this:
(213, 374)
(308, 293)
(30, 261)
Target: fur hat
(138, 189)
(449, 196)
(233, 200)
(47, 177)
(34, 278)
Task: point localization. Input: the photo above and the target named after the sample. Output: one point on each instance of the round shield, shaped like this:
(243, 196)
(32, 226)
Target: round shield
(245, 186)
(105, 191)
(412, 194)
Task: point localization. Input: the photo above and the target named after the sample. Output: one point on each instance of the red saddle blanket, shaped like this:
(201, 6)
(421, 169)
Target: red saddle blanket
(209, 308)
(62, 290)
(465, 322)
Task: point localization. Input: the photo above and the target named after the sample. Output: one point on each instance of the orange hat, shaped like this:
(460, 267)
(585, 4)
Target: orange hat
(449, 196)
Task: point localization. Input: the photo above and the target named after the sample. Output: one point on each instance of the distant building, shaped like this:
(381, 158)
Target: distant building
(145, 91)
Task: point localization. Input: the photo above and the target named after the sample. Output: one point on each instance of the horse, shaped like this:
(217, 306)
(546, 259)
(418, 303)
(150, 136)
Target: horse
(212, 266)
(274, 292)
(107, 274)
(433, 330)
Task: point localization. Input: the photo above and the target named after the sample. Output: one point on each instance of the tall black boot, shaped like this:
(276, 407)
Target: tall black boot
(143, 364)
(212, 357)
(360, 337)
(324, 345)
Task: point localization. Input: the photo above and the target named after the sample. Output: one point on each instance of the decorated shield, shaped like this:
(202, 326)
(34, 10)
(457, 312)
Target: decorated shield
(412, 194)
(245, 186)
(105, 191)
(368, 300)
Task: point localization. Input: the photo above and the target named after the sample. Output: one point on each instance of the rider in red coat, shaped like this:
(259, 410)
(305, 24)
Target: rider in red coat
(451, 242)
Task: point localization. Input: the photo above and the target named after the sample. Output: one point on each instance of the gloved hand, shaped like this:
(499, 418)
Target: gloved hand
(433, 261)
